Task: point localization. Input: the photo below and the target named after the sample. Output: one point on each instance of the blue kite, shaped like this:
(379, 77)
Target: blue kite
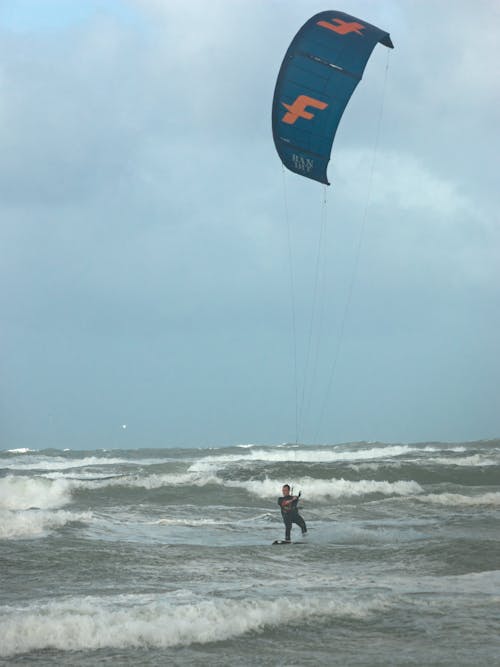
(319, 73)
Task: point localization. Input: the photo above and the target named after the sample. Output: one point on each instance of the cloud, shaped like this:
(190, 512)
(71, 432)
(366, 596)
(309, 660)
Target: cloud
(143, 235)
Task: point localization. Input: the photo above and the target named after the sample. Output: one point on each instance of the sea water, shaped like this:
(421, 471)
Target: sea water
(165, 556)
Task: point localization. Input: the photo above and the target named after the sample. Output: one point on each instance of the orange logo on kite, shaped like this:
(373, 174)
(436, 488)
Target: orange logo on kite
(298, 109)
(342, 27)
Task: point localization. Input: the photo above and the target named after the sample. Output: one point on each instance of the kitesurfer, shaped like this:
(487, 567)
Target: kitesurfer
(289, 512)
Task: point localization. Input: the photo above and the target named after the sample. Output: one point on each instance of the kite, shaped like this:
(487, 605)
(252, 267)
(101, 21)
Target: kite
(319, 73)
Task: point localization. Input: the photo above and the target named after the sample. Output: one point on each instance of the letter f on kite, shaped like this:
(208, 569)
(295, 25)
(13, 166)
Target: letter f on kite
(298, 109)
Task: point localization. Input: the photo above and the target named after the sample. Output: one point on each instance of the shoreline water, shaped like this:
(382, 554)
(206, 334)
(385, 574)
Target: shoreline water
(165, 557)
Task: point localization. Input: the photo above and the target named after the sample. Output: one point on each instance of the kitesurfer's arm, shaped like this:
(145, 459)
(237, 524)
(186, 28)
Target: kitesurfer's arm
(288, 501)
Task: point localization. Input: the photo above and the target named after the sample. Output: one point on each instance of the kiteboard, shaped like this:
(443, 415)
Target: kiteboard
(286, 542)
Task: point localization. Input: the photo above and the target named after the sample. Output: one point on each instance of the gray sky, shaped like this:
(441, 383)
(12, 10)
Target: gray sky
(144, 260)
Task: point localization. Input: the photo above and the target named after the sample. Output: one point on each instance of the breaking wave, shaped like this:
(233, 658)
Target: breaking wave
(128, 621)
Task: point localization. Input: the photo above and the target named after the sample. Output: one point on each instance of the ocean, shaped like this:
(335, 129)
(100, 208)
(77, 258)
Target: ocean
(165, 556)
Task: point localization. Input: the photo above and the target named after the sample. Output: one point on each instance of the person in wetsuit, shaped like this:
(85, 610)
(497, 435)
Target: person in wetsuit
(289, 512)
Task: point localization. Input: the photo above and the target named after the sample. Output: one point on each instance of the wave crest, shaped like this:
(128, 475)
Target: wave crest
(94, 623)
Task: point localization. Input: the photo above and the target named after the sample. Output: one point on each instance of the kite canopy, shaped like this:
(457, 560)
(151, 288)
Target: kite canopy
(319, 73)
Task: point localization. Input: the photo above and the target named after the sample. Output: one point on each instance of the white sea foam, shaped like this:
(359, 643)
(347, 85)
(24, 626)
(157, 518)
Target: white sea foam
(61, 463)
(154, 481)
(159, 621)
(193, 523)
(287, 454)
(325, 490)
(453, 499)
(20, 450)
(21, 493)
(467, 461)
(474, 460)
(54, 490)
(303, 455)
(83, 475)
(28, 524)
(313, 489)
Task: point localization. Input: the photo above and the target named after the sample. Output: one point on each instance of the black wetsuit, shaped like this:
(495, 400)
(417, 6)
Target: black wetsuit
(290, 515)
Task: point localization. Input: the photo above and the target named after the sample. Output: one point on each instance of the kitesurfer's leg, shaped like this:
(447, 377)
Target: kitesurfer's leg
(287, 518)
(300, 522)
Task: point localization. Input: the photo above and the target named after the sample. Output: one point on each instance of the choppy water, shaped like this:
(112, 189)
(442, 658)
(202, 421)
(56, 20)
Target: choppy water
(159, 557)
